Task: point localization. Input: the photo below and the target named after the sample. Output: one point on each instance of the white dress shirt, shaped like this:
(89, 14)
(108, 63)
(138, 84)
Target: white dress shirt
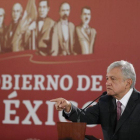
(65, 29)
(124, 100)
(40, 25)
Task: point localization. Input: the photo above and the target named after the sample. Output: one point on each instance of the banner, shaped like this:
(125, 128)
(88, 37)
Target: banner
(51, 49)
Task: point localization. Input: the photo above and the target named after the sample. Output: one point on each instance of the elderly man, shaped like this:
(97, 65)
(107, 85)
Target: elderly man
(118, 111)
(16, 15)
(44, 29)
(63, 35)
(10, 45)
(2, 29)
(85, 34)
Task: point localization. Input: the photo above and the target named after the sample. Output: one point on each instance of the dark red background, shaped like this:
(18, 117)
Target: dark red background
(117, 24)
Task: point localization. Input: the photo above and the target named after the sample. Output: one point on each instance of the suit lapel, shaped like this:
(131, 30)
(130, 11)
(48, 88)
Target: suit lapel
(46, 25)
(70, 35)
(92, 36)
(113, 113)
(60, 36)
(83, 32)
(128, 110)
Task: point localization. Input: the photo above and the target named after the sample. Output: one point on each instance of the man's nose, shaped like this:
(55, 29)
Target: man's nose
(108, 83)
(41, 9)
(16, 13)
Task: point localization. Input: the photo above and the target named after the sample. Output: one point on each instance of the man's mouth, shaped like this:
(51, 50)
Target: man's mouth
(65, 17)
(86, 19)
(108, 88)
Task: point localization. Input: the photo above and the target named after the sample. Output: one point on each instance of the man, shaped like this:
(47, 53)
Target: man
(118, 111)
(63, 35)
(44, 29)
(2, 29)
(10, 45)
(16, 15)
(85, 34)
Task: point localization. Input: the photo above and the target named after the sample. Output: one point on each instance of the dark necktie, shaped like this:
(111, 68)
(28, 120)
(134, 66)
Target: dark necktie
(41, 19)
(118, 110)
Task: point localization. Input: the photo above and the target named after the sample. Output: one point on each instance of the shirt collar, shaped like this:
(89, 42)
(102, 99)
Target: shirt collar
(85, 26)
(64, 22)
(126, 97)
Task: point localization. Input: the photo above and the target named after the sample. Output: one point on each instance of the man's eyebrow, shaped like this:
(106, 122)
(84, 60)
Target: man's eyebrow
(110, 76)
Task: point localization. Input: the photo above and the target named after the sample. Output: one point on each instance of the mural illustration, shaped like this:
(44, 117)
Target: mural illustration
(32, 29)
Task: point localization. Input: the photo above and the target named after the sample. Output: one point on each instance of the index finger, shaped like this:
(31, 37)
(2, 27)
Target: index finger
(54, 100)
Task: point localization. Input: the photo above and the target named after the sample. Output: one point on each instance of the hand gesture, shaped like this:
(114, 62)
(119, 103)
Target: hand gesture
(62, 104)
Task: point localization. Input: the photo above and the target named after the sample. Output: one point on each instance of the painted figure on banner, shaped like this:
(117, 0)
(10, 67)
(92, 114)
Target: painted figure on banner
(18, 32)
(64, 33)
(44, 29)
(2, 29)
(85, 35)
(16, 16)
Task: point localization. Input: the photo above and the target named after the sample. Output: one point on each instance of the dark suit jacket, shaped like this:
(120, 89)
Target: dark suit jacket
(44, 37)
(104, 113)
(2, 35)
(16, 42)
(8, 39)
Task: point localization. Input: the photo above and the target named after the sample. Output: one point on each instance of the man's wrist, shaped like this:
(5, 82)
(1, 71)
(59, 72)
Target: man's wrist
(68, 108)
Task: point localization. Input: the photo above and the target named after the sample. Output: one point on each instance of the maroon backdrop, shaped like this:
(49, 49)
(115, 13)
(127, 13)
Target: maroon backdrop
(117, 24)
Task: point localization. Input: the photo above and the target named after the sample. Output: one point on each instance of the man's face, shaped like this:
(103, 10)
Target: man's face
(1, 17)
(115, 84)
(64, 11)
(43, 9)
(86, 16)
(16, 12)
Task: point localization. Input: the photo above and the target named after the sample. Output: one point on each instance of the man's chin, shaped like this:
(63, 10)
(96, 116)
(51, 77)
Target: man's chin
(65, 17)
(86, 22)
(42, 16)
(109, 92)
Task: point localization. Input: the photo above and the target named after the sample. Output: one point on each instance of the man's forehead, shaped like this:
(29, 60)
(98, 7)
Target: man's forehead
(110, 75)
(43, 3)
(114, 72)
(65, 6)
(86, 11)
(17, 7)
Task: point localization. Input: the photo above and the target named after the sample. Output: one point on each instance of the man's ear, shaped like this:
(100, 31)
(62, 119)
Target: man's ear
(129, 83)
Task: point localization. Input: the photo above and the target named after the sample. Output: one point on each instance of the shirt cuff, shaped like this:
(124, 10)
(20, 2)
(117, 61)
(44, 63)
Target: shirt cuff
(68, 113)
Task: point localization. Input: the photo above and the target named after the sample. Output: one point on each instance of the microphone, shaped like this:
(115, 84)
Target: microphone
(82, 110)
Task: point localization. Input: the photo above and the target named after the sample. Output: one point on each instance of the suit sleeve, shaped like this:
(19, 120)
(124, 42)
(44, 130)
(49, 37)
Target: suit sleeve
(90, 116)
(77, 47)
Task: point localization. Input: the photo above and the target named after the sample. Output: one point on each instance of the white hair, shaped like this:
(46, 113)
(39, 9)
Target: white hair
(127, 69)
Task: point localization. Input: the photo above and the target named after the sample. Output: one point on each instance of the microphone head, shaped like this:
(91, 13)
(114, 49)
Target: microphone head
(104, 93)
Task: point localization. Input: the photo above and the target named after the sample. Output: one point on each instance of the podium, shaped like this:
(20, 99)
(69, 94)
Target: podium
(72, 131)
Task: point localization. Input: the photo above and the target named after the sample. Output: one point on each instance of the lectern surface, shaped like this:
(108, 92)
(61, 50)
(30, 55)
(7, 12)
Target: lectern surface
(71, 130)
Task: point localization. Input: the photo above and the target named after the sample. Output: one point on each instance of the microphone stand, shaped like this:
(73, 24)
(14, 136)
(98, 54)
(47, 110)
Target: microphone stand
(82, 110)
